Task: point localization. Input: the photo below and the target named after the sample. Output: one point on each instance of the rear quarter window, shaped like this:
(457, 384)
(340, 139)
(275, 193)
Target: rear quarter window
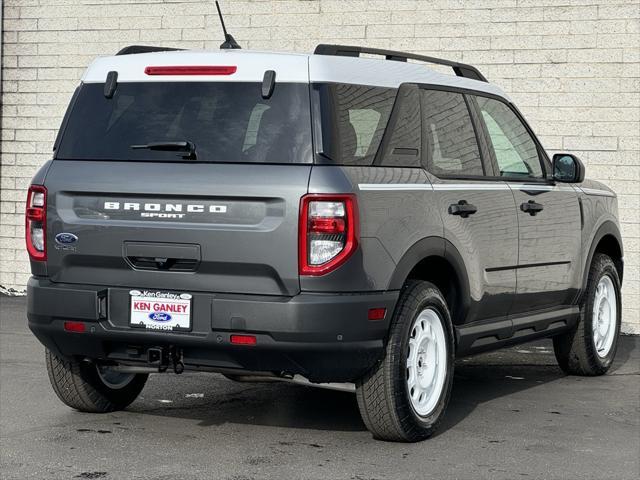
(353, 119)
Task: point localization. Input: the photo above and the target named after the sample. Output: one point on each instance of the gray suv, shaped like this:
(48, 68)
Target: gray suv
(332, 217)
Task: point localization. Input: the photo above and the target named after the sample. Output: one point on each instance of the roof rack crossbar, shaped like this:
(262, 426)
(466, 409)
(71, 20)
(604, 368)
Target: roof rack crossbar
(134, 49)
(460, 69)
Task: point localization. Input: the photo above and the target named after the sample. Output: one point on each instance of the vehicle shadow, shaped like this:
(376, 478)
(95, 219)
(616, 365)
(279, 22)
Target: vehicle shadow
(219, 401)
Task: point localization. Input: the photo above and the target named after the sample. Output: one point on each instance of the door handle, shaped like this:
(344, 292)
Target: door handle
(462, 208)
(531, 207)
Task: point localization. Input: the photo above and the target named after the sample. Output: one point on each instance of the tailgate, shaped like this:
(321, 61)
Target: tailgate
(178, 226)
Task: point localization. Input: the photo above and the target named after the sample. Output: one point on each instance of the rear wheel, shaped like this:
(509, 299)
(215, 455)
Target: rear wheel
(405, 396)
(590, 348)
(88, 387)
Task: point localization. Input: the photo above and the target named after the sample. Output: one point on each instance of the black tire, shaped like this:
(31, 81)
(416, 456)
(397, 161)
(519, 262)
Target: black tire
(383, 393)
(576, 350)
(79, 386)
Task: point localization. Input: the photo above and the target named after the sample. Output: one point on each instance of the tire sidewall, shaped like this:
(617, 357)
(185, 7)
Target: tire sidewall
(601, 268)
(428, 297)
(119, 397)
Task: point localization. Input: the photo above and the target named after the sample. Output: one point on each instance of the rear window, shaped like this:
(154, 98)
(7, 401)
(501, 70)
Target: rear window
(353, 119)
(226, 121)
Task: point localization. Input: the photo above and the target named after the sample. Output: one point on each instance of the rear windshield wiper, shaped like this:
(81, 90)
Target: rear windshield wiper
(189, 147)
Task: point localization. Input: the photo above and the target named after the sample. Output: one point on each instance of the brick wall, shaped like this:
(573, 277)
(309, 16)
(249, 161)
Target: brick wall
(573, 67)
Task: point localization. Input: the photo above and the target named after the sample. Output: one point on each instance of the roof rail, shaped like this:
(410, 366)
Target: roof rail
(460, 69)
(133, 49)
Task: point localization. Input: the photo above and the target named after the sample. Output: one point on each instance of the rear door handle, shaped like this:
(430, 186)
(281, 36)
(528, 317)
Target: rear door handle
(531, 207)
(462, 208)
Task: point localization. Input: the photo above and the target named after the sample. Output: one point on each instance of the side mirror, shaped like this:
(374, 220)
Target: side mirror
(567, 168)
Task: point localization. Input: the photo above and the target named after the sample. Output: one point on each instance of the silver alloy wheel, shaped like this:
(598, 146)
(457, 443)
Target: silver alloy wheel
(113, 379)
(605, 316)
(426, 362)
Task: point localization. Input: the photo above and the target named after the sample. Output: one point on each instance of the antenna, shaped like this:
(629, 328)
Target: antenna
(229, 41)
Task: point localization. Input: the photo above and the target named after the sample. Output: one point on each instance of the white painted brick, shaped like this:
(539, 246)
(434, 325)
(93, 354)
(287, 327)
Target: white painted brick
(517, 14)
(611, 10)
(599, 55)
(488, 57)
(20, 25)
(390, 31)
(140, 23)
(22, 49)
(183, 21)
(540, 56)
(617, 40)
(489, 29)
(571, 13)
(597, 26)
(530, 27)
(65, 24)
(519, 42)
(569, 41)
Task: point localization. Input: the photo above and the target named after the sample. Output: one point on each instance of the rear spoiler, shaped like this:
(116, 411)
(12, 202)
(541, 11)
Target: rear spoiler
(134, 49)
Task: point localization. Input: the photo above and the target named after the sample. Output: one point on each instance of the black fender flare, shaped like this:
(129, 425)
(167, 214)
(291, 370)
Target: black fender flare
(434, 247)
(608, 227)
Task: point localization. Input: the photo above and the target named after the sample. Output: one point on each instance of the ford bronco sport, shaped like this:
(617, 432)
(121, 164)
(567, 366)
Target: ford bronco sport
(327, 216)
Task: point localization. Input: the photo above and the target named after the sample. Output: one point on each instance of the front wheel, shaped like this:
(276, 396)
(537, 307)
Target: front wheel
(88, 387)
(589, 349)
(405, 396)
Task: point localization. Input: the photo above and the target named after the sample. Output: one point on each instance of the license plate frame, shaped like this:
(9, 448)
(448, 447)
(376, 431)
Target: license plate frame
(160, 311)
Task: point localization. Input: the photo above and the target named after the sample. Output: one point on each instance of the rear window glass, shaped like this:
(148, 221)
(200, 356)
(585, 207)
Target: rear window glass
(226, 121)
(353, 119)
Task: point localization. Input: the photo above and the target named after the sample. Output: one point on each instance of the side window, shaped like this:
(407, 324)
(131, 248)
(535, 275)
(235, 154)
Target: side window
(450, 139)
(353, 120)
(516, 152)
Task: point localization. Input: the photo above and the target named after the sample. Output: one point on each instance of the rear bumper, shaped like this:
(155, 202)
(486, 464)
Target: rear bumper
(324, 337)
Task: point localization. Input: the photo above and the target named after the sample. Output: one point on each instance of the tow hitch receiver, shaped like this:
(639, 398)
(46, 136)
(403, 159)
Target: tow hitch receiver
(164, 357)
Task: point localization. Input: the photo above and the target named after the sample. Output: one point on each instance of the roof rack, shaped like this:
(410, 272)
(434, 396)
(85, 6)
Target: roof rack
(133, 49)
(460, 69)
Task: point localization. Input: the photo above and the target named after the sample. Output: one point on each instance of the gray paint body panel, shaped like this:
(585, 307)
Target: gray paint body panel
(250, 247)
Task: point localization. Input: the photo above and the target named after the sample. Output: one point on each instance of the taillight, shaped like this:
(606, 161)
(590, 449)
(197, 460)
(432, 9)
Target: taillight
(328, 232)
(36, 222)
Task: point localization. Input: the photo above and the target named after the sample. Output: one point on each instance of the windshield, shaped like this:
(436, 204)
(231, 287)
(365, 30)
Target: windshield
(225, 121)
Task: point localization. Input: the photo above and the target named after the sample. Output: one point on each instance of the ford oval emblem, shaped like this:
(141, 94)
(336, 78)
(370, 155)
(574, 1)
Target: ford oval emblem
(65, 238)
(160, 317)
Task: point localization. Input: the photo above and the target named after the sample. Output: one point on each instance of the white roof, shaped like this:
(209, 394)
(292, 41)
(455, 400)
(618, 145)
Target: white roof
(289, 67)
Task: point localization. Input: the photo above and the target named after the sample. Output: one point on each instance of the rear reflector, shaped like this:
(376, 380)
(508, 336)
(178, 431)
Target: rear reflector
(76, 327)
(377, 313)
(192, 70)
(243, 339)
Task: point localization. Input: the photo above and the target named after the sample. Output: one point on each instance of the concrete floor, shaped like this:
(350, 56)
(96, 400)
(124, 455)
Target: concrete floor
(513, 415)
